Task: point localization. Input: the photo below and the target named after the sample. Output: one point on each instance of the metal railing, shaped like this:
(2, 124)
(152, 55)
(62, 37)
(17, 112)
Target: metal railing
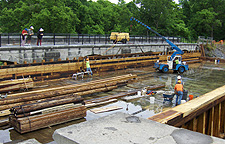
(14, 39)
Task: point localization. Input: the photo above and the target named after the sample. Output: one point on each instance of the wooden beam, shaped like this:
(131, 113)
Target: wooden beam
(212, 121)
(195, 124)
(105, 109)
(204, 123)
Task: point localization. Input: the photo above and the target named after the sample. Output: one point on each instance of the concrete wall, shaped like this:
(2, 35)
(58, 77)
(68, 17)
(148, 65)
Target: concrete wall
(30, 53)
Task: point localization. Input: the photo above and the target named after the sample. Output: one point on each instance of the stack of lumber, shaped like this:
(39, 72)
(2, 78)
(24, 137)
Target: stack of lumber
(12, 85)
(83, 89)
(27, 118)
(42, 108)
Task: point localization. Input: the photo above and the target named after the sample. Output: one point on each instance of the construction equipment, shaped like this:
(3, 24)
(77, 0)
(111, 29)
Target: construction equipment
(170, 65)
(119, 37)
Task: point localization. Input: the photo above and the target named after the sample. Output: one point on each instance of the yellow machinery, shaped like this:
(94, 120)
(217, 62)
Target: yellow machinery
(119, 37)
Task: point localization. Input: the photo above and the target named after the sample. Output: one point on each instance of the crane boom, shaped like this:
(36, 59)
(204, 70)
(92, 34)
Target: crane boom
(173, 46)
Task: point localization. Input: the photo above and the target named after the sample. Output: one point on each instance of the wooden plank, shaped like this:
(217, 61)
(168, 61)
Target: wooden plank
(100, 103)
(212, 121)
(195, 123)
(15, 81)
(200, 124)
(4, 113)
(165, 116)
(217, 118)
(223, 119)
(204, 123)
(4, 122)
(101, 81)
(56, 108)
(105, 109)
(127, 98)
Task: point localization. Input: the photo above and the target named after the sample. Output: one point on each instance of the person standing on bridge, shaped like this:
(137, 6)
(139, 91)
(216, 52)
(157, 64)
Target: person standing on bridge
(39, 36)
(179, 92)
(30, 33)
(88, 66)
(24, 34)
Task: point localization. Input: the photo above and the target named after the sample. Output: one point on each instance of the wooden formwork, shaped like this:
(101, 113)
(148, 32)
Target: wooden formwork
(204, 114)
(49, 70)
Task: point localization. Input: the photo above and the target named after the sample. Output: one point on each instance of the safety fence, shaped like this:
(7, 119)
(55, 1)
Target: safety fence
(14, 39)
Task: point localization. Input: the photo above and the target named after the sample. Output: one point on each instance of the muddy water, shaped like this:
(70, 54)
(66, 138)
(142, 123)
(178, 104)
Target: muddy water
(200, 79)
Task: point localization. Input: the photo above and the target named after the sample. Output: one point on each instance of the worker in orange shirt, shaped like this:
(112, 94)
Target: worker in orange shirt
(179, 92)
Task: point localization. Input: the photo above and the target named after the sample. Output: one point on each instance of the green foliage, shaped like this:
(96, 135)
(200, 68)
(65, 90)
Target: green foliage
(204, 17)
(188, 19)
(210, 47)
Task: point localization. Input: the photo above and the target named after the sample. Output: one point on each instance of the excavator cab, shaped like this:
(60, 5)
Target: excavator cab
(180, 66)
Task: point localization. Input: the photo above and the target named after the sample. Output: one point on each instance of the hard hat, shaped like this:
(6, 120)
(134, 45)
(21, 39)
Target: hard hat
(178, 77)
(26, 29)
(31, 27)
(41, 29)
(179, 81)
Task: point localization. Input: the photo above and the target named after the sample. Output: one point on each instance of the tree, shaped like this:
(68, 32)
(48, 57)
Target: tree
(203, 17)
(204, 22)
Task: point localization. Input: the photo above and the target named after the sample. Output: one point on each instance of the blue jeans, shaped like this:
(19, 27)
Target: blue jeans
(89, 69)
(179, 97)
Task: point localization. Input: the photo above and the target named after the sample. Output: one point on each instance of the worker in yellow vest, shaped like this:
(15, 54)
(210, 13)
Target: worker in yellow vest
(88, 66)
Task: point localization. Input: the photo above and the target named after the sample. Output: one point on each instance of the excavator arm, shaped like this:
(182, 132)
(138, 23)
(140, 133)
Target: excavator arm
(173, 46)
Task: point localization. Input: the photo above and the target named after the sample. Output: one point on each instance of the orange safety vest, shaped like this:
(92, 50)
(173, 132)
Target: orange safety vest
(178, 87)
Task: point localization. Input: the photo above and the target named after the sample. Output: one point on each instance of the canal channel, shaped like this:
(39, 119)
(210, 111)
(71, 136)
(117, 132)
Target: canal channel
(200, 79)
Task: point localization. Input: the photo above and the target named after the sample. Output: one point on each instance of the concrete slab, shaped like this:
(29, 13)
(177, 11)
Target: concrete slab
(127, 129)
(30, 141)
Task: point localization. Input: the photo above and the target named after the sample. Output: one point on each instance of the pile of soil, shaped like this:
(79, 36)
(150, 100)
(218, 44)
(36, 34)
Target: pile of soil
(218, 52)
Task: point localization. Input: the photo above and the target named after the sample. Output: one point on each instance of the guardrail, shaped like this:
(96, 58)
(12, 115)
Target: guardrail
(14, 39)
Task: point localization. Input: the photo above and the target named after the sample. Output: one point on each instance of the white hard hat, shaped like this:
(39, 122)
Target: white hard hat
(31, 27)
(41, 29)
(178, 77)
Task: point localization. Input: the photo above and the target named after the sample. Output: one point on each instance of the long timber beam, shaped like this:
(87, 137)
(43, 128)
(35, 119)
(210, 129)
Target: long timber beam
(48, 70)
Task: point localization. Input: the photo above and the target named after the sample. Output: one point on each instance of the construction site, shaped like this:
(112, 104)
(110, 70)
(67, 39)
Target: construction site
(37, 100)
(41, 99)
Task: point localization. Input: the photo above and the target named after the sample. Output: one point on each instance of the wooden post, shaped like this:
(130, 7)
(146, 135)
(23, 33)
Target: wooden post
(218, 120)
(212, 121)
(195, 123)
(203, 123)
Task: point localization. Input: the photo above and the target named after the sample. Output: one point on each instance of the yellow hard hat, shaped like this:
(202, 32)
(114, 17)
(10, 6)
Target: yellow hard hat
(179, 81)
